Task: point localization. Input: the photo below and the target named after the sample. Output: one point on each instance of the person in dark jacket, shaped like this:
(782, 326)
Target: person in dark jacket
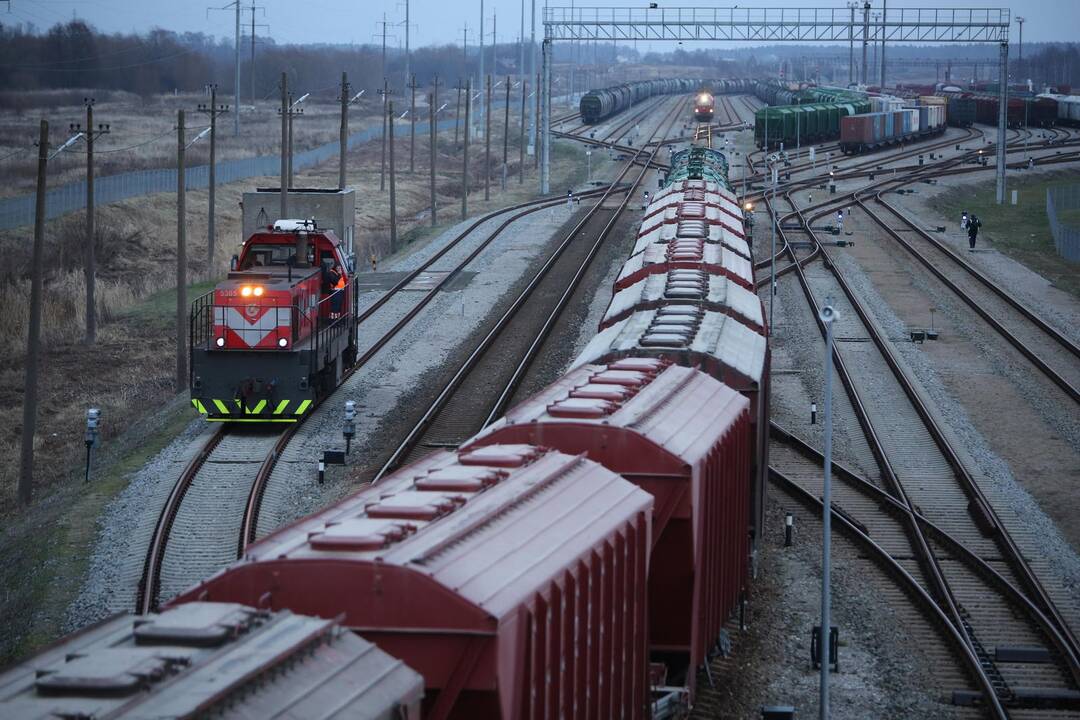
(973, 231)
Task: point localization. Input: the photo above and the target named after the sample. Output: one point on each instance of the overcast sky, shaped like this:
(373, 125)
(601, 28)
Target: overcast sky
(434, 21)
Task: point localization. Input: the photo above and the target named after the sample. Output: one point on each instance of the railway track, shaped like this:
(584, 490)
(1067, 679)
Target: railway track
(920, 470)
(488, 377)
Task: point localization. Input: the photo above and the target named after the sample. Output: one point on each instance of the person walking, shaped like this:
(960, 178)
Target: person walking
(973, 226)
(839, 222)
(964, 220)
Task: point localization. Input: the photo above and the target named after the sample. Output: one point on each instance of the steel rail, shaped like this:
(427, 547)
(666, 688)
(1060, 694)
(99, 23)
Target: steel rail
(149, 584)
(906, 581)
(980, 506)
(413, 436)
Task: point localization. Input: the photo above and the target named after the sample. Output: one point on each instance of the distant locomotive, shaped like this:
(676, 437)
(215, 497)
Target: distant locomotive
(703, 107)
(278, 333)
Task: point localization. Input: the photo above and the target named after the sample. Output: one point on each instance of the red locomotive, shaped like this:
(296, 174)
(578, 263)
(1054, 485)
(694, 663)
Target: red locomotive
(278, 333)
(703, 107)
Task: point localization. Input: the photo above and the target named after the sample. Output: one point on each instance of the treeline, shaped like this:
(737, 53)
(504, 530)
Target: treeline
(75, 55)
(1049, 65)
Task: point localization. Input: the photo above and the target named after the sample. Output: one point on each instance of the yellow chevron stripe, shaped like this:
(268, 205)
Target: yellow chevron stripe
(281, 407)
(222, 408)
(199, 407)
(304, 404)
(257, 409)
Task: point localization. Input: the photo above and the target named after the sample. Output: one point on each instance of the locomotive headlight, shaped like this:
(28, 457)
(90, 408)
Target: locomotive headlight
(245, 291)
(220, 342)
(282, 342)
(258, 291)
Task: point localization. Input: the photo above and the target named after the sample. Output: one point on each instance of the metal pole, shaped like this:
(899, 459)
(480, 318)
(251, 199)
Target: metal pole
(343, 133)
(408, 72)
(1003, 100)
(521, 45)
(432, 99)
(91, 259)
(487, 145)
(535, 132)
(884, 15)
(181, 259)
(252, 71)
(412, 125)
(465, 155)
(480, 114)
(851, 46)
(393, 183)
(865, 39)
(382, 161)
(521, 139)
(33, 339)
(284, 211)
(772, 255)
(828, 316)
(534, 109)
(545, 140)
(236, 118)
(506, 132)
(211, 232)
(457, 113)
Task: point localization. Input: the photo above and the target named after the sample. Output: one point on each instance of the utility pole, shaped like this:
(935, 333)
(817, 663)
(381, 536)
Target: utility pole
(521, 137)
(1020, 52)
(506, 132)
(481, 113)
(412, 125)
(851, 42)
(457, 113)
(521, 45)
(343, 131)
(433, 98)
(384, 23)
(828, 317)
(90, 257)
(487, 145)
(283, 213)
(393, 183)
(535, 133)
(385, 92)
(33, 339)
(865, 39)
(873, 61)
(181, 258)
(545, 120)
(408, 72)
(284, 210)
(251, 70)
(236, 88)
(533, 127)
(289, 176)
(465, 155)
(213, 110)
(884, 30)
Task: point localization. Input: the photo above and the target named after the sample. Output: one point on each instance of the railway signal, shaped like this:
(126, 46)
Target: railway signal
(93, 420)
(828, 316)
(348, 428)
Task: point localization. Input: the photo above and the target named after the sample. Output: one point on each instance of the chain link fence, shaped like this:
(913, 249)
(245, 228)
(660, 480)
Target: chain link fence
(19, 211)
(1066, 237)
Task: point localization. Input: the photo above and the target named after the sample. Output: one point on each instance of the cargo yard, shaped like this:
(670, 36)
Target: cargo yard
(594, 385)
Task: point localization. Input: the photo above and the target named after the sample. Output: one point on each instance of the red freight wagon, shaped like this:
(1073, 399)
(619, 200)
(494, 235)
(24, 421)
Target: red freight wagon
(712, 342)
(713, 292)
(700, 211)
(221, 660)
(511, 577)
(687, 254)
(683, 437)
(721, 199)
(713, 234)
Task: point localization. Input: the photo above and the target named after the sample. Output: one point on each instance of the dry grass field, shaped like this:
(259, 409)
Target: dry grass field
(142, 131)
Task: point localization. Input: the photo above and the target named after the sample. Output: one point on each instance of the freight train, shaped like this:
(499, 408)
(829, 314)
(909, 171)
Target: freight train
(599, 105)
(870, 131)
(578, 557)
(273, 338)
